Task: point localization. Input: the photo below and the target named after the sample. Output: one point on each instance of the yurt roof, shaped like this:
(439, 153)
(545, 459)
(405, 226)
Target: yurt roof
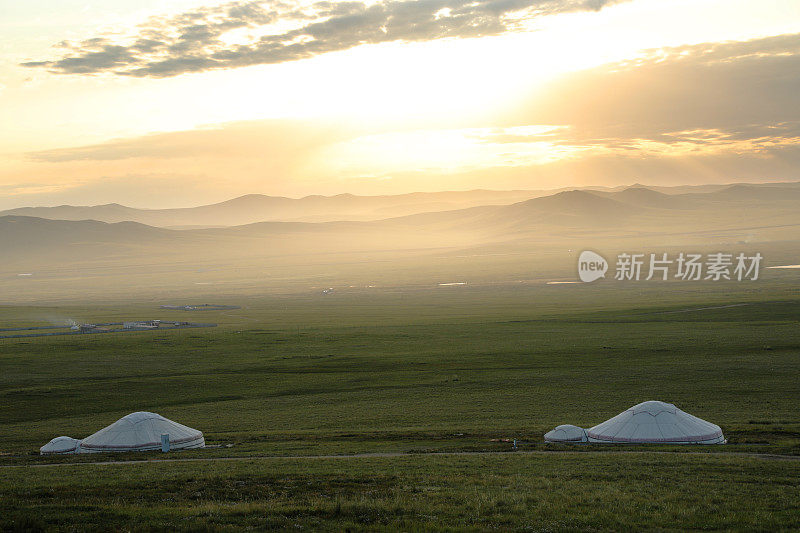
(61, 444)
(141, 430)
(566, 433)
(655, 421)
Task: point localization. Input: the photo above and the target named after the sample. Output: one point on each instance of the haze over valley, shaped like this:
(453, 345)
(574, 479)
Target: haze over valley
(505, 241)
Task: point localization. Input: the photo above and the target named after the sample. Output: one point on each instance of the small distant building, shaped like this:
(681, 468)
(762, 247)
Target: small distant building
(141, 324)
(87, 328)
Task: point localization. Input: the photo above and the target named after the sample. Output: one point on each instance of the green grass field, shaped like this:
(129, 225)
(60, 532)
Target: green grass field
(576, 491)
(404, 372)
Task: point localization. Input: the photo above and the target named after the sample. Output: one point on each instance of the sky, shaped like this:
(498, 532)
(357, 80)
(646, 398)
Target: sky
(156, 104)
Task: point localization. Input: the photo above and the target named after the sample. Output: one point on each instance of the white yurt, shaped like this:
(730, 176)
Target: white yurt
(656, 422)
(60, 445)
(142, 431)
(566, 433)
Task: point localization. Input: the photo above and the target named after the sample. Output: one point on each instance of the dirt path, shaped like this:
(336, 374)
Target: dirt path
(704, 308)
(765, 456)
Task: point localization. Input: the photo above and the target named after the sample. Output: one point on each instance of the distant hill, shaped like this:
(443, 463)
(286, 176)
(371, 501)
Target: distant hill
(254, 208)
(16, 231)
(756, 194)
(26, 239)
(640, 195)
(261, 208)
(594, 215)
(574, 208)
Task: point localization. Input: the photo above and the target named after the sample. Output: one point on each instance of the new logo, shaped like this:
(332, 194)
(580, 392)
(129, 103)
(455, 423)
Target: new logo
(591, 266)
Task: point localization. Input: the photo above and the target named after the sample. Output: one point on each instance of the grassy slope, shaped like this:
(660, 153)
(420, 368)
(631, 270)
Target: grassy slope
(449, 369)
(503, 491)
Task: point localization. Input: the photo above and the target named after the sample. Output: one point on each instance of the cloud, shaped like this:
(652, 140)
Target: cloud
(274, 156)
(277, 32)
(713, 93)
(269, 140)
(714, 112)
(711, 112)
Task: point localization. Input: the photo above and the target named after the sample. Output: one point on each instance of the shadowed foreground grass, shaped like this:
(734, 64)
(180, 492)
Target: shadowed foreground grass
(505, 491)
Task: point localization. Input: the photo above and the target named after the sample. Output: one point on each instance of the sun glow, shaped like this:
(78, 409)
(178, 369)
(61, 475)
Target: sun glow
(434, 84)
(455, 150)
(443, 105)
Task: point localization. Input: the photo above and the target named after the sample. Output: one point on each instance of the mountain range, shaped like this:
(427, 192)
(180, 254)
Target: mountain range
(633, 210)
(488, 240)
(253, 208)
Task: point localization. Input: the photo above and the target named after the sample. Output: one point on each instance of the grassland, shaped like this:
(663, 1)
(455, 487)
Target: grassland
(501, 491)
(450, 369)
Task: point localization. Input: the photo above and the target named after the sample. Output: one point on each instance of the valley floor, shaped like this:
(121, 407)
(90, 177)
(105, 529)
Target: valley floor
(424, 391)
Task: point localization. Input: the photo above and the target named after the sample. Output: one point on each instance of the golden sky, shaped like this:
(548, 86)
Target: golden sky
(158, 104)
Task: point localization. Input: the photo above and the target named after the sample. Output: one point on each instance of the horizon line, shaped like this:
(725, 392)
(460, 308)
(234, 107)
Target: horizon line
(349, 194)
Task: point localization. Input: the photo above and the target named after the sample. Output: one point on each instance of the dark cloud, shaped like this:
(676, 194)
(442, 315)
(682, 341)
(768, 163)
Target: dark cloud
(193, 41)
(713, 92)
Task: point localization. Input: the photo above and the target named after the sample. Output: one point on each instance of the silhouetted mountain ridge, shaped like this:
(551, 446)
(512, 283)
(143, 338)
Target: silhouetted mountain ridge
(634, 210)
